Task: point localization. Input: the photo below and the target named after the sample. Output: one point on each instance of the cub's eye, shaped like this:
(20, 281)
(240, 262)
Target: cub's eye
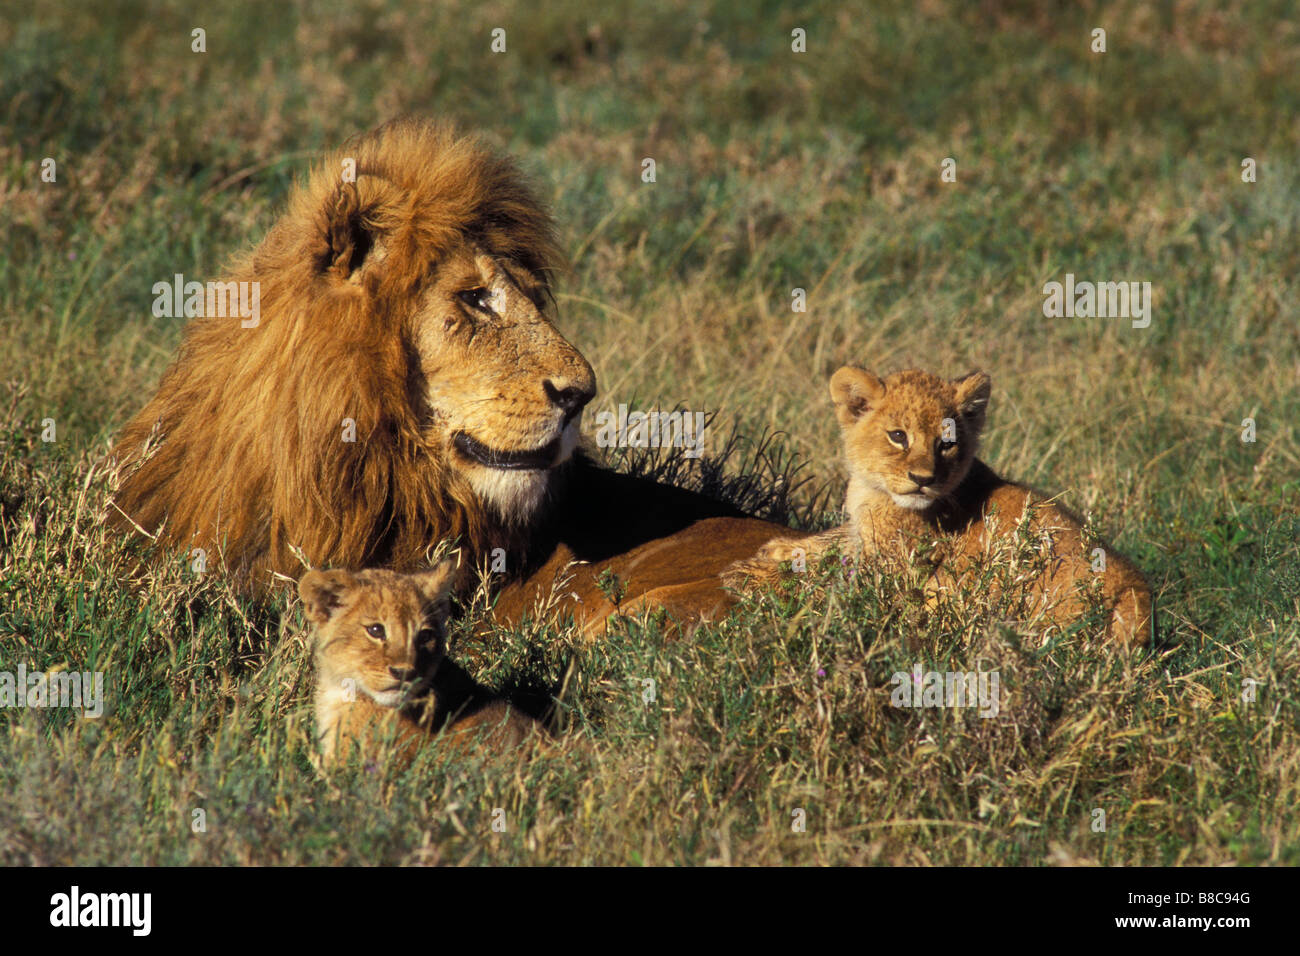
(477, 299)
(428, 637)
(899, 438)
(376, 631)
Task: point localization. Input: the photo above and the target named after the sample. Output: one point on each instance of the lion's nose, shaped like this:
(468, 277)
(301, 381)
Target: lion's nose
(921, 480)
(570, 398)
(402, 673)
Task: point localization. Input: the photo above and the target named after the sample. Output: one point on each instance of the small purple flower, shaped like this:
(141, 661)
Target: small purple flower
(821, 672)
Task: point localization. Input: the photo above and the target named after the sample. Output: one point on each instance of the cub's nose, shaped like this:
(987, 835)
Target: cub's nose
(921, 480)
(571, 399)
(403, 673)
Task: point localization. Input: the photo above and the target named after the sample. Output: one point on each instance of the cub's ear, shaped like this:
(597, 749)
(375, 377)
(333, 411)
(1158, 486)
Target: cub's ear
(323, 593)
(973, 394)
(350, 237)
(436, 584)
(854, 391)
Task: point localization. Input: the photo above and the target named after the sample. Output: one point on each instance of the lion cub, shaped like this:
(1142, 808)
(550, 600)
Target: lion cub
(910, 440)
(381, 670)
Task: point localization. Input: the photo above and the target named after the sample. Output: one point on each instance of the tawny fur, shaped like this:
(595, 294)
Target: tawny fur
(910, 441)
(377, 686)
(241, 450)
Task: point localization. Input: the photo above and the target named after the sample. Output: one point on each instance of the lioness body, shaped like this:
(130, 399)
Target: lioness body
(382, 672)
(910, 442)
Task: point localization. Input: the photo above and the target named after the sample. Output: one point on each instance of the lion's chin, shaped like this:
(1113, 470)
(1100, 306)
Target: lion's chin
(514, 495)
(915, 501)
(515, 484)
(387, 698)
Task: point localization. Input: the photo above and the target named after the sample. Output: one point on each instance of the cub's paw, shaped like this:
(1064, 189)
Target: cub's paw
(767, 564)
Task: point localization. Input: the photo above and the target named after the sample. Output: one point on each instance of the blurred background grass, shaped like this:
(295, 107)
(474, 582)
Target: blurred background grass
(775, 170)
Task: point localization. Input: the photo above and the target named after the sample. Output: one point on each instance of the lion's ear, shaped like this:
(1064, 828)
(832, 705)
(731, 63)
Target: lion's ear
(854, 391)
(324, 592)
(435, 585)
(973, 392)
(350, 238)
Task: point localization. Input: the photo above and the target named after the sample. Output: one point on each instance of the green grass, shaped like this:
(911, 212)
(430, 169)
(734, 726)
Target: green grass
(775, 171)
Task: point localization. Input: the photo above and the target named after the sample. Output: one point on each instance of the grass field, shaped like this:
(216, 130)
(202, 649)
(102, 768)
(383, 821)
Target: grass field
(775, 170)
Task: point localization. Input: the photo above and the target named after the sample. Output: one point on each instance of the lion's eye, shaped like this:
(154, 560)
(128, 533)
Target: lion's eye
(428, 637)
(480, 300)
(376, 631)
(899, 438)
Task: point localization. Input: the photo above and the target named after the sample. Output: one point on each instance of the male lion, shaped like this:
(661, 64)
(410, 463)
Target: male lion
(405, 384)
